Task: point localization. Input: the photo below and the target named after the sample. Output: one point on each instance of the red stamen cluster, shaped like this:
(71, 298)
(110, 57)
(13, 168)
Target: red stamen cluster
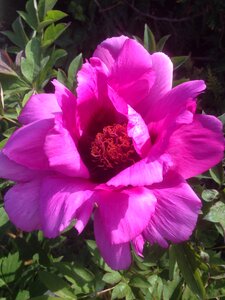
(113, 148)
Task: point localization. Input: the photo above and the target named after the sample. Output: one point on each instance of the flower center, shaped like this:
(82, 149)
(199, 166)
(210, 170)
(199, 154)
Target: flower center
(113, 148)
(110, 152)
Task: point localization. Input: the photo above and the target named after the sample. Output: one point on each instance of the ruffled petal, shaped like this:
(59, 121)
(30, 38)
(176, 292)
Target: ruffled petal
(118, 257)
(198, 146)
(92, 96)
(138, 244)
(60, 198)
(83, 214)
(68, 103)
(138, 131)
(151, 169)
(163, 70)
(26, 145)
(109, 49)
(13, 171)
(62, 152)
(176, 102)
(125, 214)
(176, 211)
(22, 205)
(39, 107)
(131, 75)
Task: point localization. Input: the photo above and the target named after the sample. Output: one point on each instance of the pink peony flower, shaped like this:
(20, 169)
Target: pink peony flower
(121, 150)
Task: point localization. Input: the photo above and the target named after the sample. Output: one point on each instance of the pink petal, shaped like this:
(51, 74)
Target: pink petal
(173, 104)
(62, 152)
(109, 49)
(26, 145)
(22, 205)
(196, 147)
(38, 107)
(176, 211)
(83, 214)
(92, 96)
(163, 70)
(118, 257)
(68, 103)
(13, 171)
(132, 75)
(138, 131)
(125, 214)
(60, 198)
(138, 244)
(144, 172)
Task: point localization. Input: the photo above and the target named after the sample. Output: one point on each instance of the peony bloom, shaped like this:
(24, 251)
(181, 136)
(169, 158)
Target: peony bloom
(120, 150)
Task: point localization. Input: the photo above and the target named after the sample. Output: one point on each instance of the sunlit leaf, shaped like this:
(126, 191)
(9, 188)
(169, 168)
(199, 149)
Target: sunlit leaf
(112, 278)
(210, 195)
(52, 32)
(217, 214)
(9, 266)
(31, 65)
(74, 67)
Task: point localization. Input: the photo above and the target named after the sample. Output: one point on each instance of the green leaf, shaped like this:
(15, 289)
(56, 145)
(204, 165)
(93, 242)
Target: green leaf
(51, 17)
(161, 43)
(23, 295)
(45, 297)
(3, 217)
(61, 77)
(217, 214)
(55, 15)
(139, 282)
(3, 142)
(9, 132)
(188, 266)
(217, 173)
(216, 290)
(31, 65)
(149, 40)
(112, 277)
(222, 118)
(27, 97)
(9, 266)
(47, 72)
(12, 84)
(210, 195)
(3, 220)
(2, 283)
(178, 61)
(18, 35)
(56, 285)
(172, 263)
(44, 6)
(84, 273)
(81, 278)
(74, 67)
(52, 32)
(30, 16)
(120, 291)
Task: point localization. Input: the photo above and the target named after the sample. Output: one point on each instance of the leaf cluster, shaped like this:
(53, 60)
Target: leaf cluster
(70, 266)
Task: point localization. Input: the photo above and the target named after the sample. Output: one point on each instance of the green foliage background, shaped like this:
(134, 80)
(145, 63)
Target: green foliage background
(44, 42)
